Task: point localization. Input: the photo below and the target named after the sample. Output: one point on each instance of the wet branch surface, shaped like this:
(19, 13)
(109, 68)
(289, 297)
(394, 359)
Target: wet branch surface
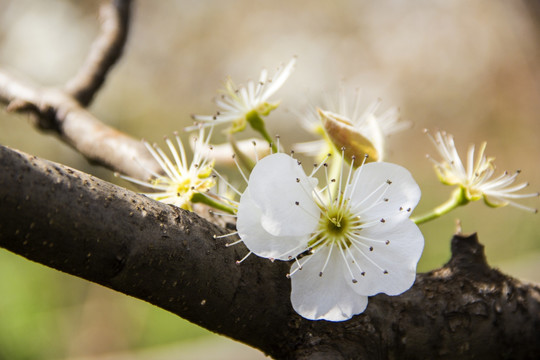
(92, 229)
(84, 226)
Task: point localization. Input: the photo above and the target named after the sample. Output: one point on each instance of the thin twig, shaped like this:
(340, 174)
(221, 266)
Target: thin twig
(105, 51)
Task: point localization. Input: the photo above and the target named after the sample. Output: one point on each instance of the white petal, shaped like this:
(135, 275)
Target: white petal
(380, 200)
(261, 242)
(330, 296)
(277, 184)
(399, 258)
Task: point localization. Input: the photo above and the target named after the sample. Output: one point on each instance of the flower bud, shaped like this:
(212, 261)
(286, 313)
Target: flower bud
(344, 136)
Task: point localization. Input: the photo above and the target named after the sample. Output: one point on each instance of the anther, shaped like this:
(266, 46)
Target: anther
(363, 273)
(385, 272)
(297, 180)
(388, 182)
(386, 199)
(387, 242)
(333, 180)
(371, 248)
(296, 203)
(320, 274)
(383, 221)
(354, 281)
(299, 162)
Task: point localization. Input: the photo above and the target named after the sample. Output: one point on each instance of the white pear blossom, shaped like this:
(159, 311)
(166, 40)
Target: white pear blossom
(351, 238)
(348, 117)
(475, 179)
(237, 104)
(181, 181)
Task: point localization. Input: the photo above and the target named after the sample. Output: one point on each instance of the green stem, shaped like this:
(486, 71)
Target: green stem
(243, 159)
(257, 124)
(202, 198)
(458, 199)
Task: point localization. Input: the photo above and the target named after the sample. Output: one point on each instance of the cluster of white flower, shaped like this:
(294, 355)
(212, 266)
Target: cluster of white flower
(358, 236)
(348, 239)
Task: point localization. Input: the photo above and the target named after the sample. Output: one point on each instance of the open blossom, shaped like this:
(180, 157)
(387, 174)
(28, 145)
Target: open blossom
(476, 179)
(237, 104)
(345, 124)
(355, 233)
(181, 180)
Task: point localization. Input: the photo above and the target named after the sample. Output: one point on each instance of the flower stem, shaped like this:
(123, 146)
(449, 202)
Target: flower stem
(458, 199)
(257, 124)
(201, 198)
(243, 159)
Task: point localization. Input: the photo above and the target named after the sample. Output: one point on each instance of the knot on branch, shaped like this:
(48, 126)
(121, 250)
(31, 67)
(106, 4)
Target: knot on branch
(468, 256)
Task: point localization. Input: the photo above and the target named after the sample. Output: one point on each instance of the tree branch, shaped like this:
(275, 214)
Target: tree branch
(84, 226)
(63, 111)
(105, 52)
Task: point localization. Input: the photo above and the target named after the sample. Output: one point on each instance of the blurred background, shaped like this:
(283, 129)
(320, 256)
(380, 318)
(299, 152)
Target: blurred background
(468, 67)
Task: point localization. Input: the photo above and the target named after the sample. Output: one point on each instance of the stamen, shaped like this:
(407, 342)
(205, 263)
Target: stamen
(226, 235)
(238, 262)
(255, 151)
(227, 183)
(362, 272)
(212, 212)
(359, 170)
(368, 258)
(299, 267)
(346, 263)
(317, 167)
(181, 166)
(142, 183)
(233, 243)
(326, 261)
(240, 169)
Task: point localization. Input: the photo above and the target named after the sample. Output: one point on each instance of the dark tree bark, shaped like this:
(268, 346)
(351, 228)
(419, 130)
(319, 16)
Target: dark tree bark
(81, 225)
(169, 257)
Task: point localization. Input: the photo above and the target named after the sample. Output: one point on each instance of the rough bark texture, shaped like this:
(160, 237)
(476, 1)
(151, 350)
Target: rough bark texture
(92, 229)
(84, 226)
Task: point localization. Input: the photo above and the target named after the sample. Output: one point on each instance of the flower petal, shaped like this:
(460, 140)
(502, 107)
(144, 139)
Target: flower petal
(390, 267)
(283, 193)
(382, 190)
(330, 296)
(260, 241)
